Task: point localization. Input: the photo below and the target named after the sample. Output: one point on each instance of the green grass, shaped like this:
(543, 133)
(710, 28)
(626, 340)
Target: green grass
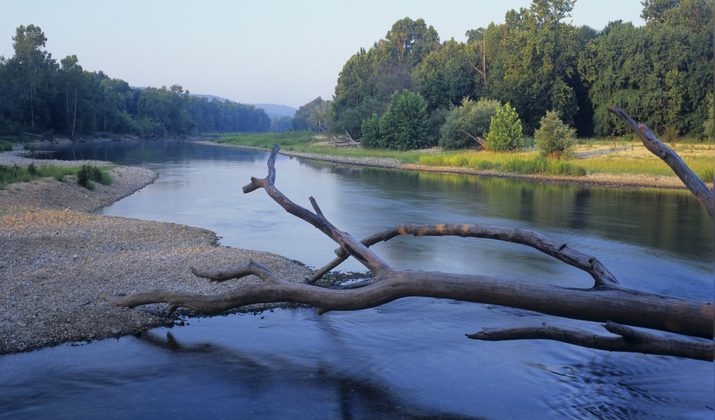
(698, 156)
(287, 140)
(17, 173)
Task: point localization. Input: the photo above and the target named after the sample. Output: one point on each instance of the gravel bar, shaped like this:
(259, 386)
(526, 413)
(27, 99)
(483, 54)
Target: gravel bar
(57, 257)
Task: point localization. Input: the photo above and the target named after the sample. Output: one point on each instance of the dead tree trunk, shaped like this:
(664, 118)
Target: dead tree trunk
(606, 301)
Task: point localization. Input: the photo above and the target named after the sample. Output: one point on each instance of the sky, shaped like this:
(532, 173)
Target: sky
(263, 51)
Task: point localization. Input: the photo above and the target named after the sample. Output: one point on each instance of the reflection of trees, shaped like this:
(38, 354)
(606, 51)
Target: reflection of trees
(266, 375)
(625, 216)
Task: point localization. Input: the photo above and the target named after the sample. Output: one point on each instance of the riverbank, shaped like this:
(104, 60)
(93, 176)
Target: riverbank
(58, 257)
(632, 181)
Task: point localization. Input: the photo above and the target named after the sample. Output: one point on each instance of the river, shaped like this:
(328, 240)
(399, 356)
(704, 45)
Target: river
(406, 359)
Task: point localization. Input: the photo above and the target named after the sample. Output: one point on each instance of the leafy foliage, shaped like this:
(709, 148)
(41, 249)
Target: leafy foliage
(37, 94)
(505, 131)
(89, 173)
(471, 119)
(554, 138)
(314, 116)
(371, 138)
(405, 124)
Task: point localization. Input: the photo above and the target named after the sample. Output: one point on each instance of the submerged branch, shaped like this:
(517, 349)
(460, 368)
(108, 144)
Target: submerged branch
(630, 340)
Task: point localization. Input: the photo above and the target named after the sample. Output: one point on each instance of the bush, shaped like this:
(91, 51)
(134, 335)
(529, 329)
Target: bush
(505, 130)
(554, 138)
(5, 146)
(405, 124)
(371, 132)
(473, 118)
(706, 175)
(90, 173)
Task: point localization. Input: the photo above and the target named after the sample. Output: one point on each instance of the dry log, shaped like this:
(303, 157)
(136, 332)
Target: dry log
(606, 300)
(696, 186)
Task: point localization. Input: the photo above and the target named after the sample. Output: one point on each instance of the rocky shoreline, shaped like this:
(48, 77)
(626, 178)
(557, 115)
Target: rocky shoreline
(591, 180)
(58, 258)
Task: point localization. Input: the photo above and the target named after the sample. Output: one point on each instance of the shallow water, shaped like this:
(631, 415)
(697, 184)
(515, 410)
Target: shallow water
(405, 359)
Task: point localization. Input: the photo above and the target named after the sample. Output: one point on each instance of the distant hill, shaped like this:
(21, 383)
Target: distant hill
(271, 110)
(277, 110)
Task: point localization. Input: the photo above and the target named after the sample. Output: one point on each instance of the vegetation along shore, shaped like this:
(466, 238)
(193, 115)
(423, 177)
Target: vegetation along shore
(619, 163)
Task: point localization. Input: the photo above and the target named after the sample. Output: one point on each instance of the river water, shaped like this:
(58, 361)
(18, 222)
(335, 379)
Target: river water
(406, 359)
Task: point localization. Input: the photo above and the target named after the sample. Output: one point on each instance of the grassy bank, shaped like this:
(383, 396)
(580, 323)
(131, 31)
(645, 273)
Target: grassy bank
(615, 156)
(86, 175)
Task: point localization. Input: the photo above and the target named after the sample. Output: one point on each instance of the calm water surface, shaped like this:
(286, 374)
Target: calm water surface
(406, 359)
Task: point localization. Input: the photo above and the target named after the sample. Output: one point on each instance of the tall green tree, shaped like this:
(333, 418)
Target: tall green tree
(34, 68)
(538, 62)
(76, 98)
(314, 116)
(660, 74)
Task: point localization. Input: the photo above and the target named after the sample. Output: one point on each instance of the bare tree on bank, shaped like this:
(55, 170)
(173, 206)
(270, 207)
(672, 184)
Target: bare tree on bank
(606, 301)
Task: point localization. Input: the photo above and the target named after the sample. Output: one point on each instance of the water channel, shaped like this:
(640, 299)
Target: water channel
(406, 359)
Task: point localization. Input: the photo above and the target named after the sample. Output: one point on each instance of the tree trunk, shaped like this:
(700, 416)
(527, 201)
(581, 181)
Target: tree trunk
(607, 301)
(74, 121)
(67, 103)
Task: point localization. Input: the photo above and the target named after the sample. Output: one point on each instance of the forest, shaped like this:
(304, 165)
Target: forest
(660, 73)
(38, 94)
(411, 90)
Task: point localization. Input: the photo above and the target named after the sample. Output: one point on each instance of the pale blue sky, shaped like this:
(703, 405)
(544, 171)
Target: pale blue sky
(262, 51)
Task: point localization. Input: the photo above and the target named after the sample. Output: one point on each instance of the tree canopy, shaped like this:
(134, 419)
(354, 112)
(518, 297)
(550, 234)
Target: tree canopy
(37, 94)
(538, 61)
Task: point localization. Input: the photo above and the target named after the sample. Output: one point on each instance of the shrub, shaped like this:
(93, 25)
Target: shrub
(505, 130)
(473, 118)
(706, 175)
(371, 132)
(405, 124)
(83, 177)
(5, 146)
(90, 173)
(554, 138)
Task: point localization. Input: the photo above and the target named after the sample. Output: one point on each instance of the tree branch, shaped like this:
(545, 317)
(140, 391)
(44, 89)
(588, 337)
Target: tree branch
(696, 186)
(366, 257)
(250, 268)
(548, 246)
(630, 340)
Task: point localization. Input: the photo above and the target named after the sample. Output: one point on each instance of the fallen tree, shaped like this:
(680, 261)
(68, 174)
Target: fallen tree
(607, 301)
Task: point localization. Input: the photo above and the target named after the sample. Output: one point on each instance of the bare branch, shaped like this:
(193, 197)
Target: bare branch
(696, 186)
(366, 257)
(250, 268)
(479, 140)
(315, 206)
(630, 340)
(558, 250)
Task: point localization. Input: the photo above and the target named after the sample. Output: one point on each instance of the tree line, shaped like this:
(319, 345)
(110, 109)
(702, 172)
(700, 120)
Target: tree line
(660, 74)
(38, 94)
